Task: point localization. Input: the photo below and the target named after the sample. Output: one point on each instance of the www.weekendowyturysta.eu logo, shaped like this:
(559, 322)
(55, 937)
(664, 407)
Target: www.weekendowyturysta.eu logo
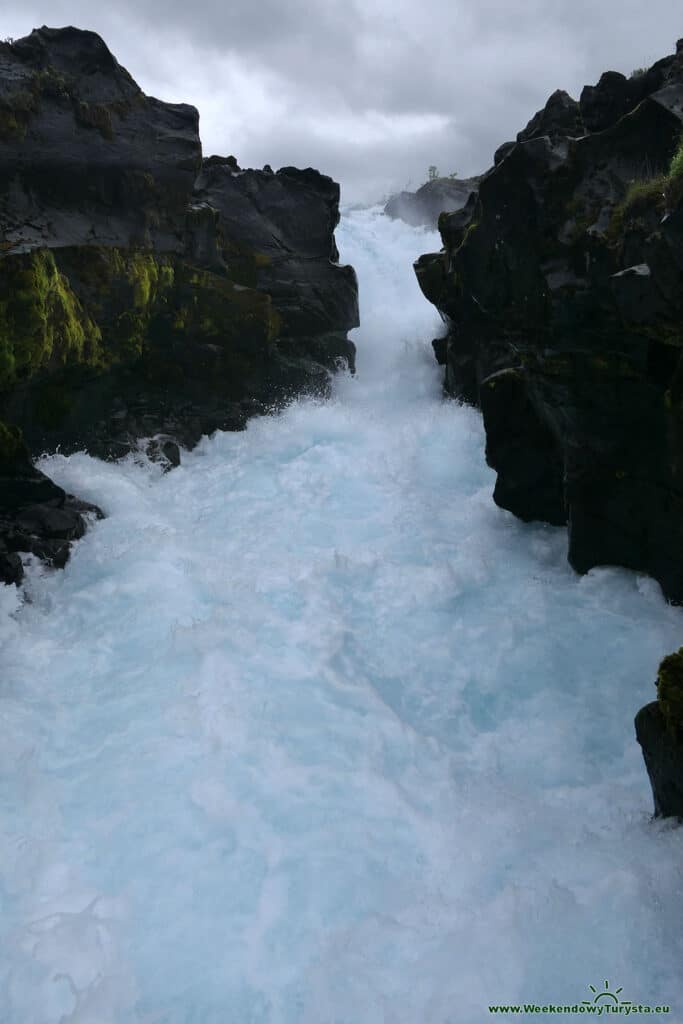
(605, 1001)
(606, 994)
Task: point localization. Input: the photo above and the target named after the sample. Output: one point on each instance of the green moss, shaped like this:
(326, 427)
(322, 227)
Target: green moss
(16, 109)
(676, 168)
(642, 197)
(657, 194)
(50, 82)
(99, 307)
(129, 331)
(670, 689)
(95, 115)
(41, 321)
(166, 277)
(217, 308)
(143, 274)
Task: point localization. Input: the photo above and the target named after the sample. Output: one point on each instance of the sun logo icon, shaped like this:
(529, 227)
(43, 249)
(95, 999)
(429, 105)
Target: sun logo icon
(606, 994)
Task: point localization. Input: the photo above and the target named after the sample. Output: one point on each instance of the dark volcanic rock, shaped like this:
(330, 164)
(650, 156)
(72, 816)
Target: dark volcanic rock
(663, 754)
(164, 449)
(659, 730)
(85, 157)
(502, 152)
(602, 105)
(143, 291)
(36, 515)
(561, 284)
(422, 208)
(287, 220)
(564, 308)
(560, 118)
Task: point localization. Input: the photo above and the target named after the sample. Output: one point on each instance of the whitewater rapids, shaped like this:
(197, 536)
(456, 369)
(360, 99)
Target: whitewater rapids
(309, 732)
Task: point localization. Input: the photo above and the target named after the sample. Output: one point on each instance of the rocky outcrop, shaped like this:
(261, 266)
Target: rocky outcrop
(562, 288)
(422, 208)
(36, 515)
(144, 291)
(659, 730)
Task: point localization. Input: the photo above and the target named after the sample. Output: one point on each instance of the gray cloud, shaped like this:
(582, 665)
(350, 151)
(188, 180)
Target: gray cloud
(371, 92)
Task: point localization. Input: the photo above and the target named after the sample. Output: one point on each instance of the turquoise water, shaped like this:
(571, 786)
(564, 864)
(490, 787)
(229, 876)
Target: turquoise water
(309, 731)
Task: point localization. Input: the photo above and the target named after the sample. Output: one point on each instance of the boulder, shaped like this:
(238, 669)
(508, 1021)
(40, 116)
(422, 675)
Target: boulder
(663, 754)
(659, 730)
(36, 515)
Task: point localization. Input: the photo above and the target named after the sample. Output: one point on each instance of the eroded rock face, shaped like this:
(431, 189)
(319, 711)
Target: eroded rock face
(85, 157)
(562, 287)
(565, 314)
(145, 292)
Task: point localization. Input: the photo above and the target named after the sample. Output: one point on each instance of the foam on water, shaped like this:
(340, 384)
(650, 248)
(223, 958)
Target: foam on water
(309, 731)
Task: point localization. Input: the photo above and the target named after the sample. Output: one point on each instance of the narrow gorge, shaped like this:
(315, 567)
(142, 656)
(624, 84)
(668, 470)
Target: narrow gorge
(308, 716)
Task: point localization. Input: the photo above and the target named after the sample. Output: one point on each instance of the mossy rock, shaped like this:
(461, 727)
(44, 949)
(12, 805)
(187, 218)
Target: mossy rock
(42, 323)
(95, 115)
(70, 316)
(670, 689)
(210, 309)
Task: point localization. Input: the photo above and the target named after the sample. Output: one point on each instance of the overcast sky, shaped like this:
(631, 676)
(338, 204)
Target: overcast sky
(369, 91)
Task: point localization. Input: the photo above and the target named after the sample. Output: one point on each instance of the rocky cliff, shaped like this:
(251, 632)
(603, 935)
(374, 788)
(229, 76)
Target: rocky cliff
(144, 291)
(561, 285)
(423, 207)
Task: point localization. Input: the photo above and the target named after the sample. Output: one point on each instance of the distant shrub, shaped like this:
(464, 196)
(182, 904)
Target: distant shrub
(638, 72)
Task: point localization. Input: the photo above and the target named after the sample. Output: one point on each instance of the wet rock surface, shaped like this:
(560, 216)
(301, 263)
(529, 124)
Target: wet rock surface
(563, 299)
(659, 730)
(36, 516)
(663, 754)
(146, 291)
(561, 284)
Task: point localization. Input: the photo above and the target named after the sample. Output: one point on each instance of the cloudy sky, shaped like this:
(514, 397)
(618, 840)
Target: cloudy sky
(369, 91)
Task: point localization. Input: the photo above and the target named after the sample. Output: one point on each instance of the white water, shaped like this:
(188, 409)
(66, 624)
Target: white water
(309, 731)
